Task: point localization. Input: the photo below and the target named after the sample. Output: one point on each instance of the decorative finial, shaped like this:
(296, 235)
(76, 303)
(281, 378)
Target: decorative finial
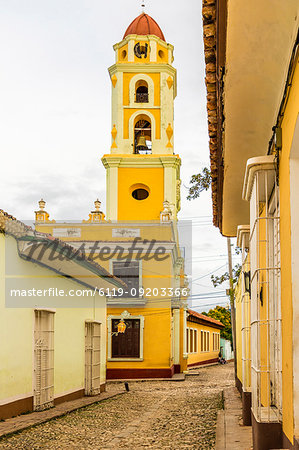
(41, 215)
(97, 215)
(142, 6)
(97, 204)
(41, 204)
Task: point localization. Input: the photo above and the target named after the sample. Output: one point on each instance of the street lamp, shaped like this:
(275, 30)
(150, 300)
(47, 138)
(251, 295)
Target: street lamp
(121, 328)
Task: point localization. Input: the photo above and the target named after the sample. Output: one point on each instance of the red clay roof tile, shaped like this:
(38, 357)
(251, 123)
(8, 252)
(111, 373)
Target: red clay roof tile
(203, 317)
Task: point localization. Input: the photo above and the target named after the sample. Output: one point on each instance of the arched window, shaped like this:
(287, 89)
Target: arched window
(141, 92)
(142, 135)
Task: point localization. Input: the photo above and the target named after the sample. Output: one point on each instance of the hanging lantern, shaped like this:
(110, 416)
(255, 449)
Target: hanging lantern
(121, 326)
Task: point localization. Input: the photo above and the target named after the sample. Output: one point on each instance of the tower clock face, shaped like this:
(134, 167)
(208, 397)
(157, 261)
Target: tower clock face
(140, 50)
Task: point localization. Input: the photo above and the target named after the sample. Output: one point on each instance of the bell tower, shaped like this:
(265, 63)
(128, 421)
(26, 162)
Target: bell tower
(142, 169)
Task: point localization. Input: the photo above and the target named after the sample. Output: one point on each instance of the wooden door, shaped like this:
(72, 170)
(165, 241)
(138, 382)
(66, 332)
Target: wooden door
(127, 344)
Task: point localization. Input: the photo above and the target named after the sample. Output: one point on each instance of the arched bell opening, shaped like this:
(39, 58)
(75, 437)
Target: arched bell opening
(141, 92)
(143, 135)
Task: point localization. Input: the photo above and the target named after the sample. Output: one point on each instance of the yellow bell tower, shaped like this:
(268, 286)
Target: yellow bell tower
(142, 169)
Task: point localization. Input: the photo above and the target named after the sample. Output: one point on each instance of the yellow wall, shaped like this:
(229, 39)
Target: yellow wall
(128, 112)
(156, 338)
(246, 348)
(16, 337)
(183, 358)
(69, 341)
(103, 231)
(121, 57)
(263, 306)
(288, 125)
(238, 305)
(126, 87)
(17, 332)
(157, 311)
(200, 356)
(148, 209)
(162, 54)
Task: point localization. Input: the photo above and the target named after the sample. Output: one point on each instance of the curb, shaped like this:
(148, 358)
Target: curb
(26, 421)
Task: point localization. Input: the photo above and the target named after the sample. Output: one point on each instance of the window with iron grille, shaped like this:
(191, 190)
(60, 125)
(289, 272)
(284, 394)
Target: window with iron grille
(245, 305)
(92, 358)
(129, 273)
(43, 359)
(141, 95)
(265, 314)
(127, 344)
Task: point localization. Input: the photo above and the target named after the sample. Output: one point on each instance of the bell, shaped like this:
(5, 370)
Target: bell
(141, 142)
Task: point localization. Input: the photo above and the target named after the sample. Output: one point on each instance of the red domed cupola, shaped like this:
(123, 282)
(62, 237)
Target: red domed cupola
(143, 25)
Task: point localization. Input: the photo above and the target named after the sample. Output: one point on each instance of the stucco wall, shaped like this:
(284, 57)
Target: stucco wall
(201, 356)
(17, 333)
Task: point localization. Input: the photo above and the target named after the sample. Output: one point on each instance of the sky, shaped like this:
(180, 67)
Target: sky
(55, 113)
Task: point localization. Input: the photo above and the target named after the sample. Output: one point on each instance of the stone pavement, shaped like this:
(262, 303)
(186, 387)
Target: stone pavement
(153, 414)
(230, 433)
(24, 421)
(196, 369)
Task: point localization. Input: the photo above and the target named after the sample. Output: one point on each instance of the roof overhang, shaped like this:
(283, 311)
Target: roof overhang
(254, 165)
(260, 36)
(63, 259)
(243, 236)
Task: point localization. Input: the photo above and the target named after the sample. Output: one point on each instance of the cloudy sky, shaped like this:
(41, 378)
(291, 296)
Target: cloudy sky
(55, 112)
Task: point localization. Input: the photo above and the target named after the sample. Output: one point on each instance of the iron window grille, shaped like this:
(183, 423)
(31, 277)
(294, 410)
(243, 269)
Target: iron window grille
(266, 368)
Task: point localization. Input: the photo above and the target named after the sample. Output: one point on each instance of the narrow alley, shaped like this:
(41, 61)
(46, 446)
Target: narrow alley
(154, 414)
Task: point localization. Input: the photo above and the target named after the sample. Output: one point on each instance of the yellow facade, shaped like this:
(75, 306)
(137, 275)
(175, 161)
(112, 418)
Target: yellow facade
(143, 199)
(288, 125)
(127, 77)
(242, 312)
(238, 314)
(160, 339)
(256, 159)
(160, 51)
(157, 340)
(153, 169)
(19, 374)
(203, 340)
(151, 179)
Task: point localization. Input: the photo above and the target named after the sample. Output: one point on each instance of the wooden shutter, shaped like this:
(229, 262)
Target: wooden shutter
(127, 344)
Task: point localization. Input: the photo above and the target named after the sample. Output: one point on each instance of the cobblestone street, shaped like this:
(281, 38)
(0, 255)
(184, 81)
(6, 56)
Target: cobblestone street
(154, 414)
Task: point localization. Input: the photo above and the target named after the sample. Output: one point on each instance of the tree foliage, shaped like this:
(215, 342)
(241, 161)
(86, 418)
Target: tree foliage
(217, 280)
(223, 315)
(199, 183)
